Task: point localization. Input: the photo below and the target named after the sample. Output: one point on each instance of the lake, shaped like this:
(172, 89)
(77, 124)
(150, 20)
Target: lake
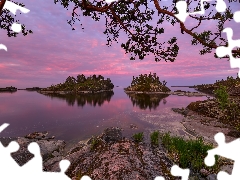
(78, 118)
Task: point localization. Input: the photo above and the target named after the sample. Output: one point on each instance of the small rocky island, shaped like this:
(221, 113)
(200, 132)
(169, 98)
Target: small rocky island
(150, 84)
(8, 89)
(232, 85)
(147, 83)
(81, 84)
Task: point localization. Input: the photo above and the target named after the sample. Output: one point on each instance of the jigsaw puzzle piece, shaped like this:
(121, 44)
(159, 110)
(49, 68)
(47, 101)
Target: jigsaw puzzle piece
(64, 164)
(182, 9)
(223, 175)
(88, 178)
(3, 126)
(2, 46)
(33, 167)
(228, 150)
(220, 6)
(12, 7)
(223, 149)
(210, 158)
(5, 154)
(110, 1)
(236, 16)
(222, 51)
(159, 178)
(54, 175)
(177, 171)
(8, 164)
(183, 14)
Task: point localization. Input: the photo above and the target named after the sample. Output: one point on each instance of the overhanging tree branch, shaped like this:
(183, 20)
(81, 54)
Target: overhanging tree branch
(143, 38)
(113, 12)
(2, 3)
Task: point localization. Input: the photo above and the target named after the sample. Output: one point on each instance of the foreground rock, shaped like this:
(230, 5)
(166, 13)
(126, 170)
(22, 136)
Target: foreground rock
(198, 125)
(110, 156)
(50, 148)
(230, 115)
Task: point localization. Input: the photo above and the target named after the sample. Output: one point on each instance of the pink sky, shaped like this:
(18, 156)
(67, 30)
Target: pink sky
(53, 52)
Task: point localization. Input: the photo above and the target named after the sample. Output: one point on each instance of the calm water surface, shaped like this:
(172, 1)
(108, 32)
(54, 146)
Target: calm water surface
(78, 118)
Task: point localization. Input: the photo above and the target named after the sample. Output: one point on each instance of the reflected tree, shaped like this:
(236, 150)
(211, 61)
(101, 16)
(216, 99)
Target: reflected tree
(147, 101)
(82, 99)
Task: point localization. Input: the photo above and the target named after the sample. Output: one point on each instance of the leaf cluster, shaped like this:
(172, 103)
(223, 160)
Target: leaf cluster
(222, 96)
(134, 17)
(138, 137)
(7, 19)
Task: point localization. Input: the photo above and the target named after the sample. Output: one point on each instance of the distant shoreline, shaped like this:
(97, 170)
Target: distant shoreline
(185, 86)
(71, 92)
(179, 93)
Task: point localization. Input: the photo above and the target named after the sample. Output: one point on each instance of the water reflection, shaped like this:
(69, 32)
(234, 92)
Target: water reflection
(147, 101)
(29, 111)
(82, 99)
(7, 92)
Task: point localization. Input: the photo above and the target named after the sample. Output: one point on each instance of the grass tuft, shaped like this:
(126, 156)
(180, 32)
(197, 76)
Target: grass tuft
(154, 138)
(138, 137)
(94, 143)
(188, 153)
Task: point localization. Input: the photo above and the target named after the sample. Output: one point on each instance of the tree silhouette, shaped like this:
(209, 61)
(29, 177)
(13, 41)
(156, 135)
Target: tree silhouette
(7, 19)
(133, 16)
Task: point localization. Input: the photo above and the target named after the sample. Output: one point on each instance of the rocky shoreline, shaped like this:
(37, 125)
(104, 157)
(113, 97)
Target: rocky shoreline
(178, 92)
(112, 156)
(202, 126)
(71, 92)
(8, 89)
(51, 149)
(107, 156)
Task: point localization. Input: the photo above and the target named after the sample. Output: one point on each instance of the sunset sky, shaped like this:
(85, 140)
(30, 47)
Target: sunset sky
(53, 52)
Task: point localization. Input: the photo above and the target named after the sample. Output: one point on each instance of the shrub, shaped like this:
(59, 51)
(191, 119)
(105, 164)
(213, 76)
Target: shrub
(222, 96)
(138, 137)
(154, 138)
(187, 153)
(233, 110)
(94, 143)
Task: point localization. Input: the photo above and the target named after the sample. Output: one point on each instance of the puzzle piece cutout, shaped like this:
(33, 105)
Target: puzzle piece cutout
(177, 171)
(236, 16)
(228, 150)
(110, 1)
(183, 14)
(222, 51)
(9, 169)
(33, 168)
(12, 7)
